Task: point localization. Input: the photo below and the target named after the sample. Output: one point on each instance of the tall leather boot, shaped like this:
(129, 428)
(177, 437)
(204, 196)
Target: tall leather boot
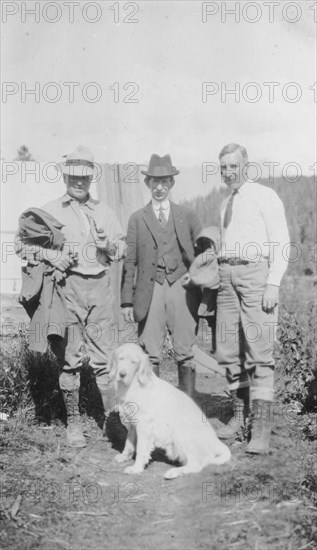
(74, 435)
(260, 427)
(107, 394)
(108, 398)
(241, 411)
(186, 379)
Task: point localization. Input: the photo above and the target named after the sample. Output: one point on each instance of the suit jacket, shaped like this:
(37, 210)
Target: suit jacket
(140, 264)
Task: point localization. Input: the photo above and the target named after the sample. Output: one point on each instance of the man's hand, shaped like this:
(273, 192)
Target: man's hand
(103, 244)
(270, 298)
(185, 280)
(59, 276)
(127, 313)
(61, 259)
(115, 250)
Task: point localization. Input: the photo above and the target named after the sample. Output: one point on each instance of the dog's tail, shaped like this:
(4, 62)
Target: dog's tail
(222, 456)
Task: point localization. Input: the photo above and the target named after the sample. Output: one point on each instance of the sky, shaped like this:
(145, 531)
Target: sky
(148, 80)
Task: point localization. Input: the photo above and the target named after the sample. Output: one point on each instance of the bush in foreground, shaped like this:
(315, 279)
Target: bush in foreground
(295, 354)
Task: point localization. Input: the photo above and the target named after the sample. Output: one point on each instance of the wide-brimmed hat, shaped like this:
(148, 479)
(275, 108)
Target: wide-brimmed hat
(79, 163)
(204, 270)
(160, 167)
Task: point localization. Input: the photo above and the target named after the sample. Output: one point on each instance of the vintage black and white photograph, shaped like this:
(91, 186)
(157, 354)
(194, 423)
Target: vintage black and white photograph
(158, 373)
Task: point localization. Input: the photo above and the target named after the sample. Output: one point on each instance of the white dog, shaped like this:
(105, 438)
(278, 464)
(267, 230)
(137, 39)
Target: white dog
(158, 415)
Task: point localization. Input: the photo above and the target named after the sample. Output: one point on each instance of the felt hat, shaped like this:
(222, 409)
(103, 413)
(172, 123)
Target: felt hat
(79, 163)
(204, 270)
(160, 167)
(212, 233)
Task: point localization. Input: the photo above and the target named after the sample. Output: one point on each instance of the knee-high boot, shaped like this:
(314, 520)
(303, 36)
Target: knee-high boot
(69, 382)
(113, 428)
(261, 425)
(186, 379)
(241, 411)
(75, 436)
(107, 394)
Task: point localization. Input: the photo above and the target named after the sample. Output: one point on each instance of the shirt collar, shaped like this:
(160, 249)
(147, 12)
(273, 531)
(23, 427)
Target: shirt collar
(157, 204)
(90, 202)
(244, 187)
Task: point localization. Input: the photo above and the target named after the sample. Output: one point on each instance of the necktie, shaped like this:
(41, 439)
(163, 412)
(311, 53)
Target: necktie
(162, 218)
(228, 212)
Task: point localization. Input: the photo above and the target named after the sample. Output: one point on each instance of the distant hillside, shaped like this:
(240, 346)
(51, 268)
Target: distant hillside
(299, 199)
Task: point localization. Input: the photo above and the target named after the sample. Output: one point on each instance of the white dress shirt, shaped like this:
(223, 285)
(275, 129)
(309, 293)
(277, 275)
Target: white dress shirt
(156, 205)
(257, 230)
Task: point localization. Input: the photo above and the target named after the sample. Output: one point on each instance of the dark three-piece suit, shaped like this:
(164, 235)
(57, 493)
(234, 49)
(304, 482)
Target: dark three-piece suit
(157, 259)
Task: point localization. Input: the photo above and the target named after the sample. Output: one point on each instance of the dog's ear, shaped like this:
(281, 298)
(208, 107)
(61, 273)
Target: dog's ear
(112, 365)
(145, 369)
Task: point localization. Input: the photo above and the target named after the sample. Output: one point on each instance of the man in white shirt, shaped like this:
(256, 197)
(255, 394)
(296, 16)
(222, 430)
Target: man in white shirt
(253, 259)
(160, 249)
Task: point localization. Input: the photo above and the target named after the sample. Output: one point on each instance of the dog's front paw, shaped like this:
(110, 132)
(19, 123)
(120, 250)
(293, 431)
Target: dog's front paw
(122, 458)
(133, 469)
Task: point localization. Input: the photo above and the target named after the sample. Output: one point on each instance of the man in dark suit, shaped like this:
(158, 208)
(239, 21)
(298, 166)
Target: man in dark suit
(160, 250)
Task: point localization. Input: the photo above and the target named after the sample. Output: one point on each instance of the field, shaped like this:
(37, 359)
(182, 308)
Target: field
(53, 497)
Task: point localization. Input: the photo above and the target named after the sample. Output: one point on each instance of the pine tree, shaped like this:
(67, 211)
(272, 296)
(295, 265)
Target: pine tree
(24, 154)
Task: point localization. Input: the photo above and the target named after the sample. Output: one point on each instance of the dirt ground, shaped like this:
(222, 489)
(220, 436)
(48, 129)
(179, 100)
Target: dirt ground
(53, 497)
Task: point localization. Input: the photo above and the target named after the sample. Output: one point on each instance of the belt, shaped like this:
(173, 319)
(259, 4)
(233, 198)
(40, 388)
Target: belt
(90, 275)
(233, 261)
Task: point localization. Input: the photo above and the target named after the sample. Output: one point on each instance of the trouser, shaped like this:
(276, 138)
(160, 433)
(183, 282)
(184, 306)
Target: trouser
(175, 308)
(89, 302)
(245, 333)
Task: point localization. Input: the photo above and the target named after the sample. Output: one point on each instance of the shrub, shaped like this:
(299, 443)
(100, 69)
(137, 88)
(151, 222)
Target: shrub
(14, 381)
(295, 354)
(27, 379)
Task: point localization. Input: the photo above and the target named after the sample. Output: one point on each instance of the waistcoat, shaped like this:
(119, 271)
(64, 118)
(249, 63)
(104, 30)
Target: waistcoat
(169, 254)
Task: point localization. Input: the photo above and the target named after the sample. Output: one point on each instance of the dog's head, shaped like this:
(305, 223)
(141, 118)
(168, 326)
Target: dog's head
(129, 362)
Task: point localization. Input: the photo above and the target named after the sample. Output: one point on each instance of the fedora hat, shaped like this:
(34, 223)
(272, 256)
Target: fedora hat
(79, 163)
(160, 167)
(204, 270)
